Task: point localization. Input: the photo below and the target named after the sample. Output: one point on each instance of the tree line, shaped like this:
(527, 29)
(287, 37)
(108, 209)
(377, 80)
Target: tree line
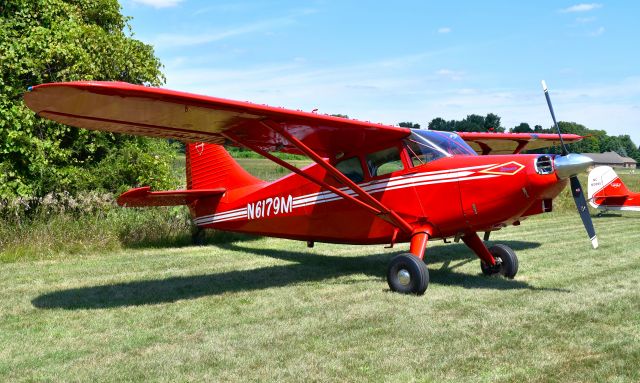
(595, 141)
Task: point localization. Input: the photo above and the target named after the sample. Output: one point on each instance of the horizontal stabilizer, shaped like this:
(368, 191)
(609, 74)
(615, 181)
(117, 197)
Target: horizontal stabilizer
(140, 197)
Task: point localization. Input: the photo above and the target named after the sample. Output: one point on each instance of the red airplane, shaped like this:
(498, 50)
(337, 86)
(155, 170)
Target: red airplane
(369, 183)
(606, 191)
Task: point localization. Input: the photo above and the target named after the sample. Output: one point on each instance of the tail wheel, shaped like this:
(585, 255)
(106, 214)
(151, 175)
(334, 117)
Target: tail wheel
(407, 274)
(506, 262)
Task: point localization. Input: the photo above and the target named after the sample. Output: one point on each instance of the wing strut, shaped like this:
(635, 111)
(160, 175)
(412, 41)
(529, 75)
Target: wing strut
(382, 211)
(299, 172)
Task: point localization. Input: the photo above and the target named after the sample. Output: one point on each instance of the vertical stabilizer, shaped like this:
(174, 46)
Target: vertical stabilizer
(604, 182)
(210, 166)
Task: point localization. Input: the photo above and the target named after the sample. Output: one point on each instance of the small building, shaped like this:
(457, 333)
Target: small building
(612, 159)
(630, 162)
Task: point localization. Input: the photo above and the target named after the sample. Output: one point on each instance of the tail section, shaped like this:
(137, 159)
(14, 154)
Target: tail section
(604, 182)
(211, 171)
(210, 166)
(607, 191)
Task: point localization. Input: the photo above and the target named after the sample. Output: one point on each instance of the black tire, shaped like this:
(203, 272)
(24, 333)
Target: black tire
(407, 274)
(198, 236)
(506, 260)
(489, 270)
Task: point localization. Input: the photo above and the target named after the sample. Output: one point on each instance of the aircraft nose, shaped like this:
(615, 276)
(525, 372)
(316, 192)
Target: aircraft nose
(571, 164)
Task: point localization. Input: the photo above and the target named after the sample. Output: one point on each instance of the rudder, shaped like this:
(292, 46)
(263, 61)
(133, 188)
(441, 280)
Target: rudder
(210, 166)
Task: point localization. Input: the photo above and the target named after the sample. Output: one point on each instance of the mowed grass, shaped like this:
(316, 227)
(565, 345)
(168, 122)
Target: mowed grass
(274, 310)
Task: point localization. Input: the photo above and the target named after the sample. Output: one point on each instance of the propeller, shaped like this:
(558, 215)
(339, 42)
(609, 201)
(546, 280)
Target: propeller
(569, 165)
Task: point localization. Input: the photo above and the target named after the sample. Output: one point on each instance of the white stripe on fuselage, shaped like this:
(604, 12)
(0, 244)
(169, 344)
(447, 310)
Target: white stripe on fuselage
(378, 186)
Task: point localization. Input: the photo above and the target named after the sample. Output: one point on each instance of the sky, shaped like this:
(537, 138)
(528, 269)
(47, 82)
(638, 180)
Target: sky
(406, 60)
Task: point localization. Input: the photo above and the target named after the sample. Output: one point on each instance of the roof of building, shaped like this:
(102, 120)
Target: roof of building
(609, 158)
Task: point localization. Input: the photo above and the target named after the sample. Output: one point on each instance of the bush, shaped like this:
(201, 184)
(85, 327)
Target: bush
(61, 223)
(61, 40)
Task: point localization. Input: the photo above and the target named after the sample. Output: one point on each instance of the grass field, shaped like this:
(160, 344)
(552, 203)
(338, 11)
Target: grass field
(262, 309)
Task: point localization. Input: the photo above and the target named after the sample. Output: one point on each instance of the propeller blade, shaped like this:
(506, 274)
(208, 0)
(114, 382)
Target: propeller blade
(569, 165)
(583, 209)
(565, 151)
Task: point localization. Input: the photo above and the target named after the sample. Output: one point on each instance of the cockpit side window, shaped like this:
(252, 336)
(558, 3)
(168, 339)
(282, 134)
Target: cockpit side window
(384, 162)
(352, 168)
(424, 146)
(422, 152)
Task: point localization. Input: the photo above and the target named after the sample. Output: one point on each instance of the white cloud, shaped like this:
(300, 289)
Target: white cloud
(583, 7)
(450, 74)
(173, 40)
(585, 20)
(225, 8)
(159, 3)
(444, 30)
(597, 32)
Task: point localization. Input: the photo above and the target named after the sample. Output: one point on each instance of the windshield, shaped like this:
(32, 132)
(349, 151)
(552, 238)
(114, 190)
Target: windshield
(429, 145)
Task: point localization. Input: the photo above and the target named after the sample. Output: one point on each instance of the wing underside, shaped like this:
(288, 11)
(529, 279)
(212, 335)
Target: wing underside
(134, 109)
(513, 143)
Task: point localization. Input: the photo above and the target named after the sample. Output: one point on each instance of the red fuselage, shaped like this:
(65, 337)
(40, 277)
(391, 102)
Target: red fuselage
(453, 195)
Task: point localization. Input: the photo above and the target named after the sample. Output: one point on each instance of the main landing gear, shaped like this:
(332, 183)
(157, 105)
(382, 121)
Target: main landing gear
(498, 259)
(407, 273)
(506, 262)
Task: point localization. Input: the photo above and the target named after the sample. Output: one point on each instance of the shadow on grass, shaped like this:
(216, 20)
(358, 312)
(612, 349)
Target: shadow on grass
(608, 214)
(203, 238)
(306, 268)
(616, 214)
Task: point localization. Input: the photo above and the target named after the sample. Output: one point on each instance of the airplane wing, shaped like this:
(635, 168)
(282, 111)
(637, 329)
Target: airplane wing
(140, 110)
(513, 143)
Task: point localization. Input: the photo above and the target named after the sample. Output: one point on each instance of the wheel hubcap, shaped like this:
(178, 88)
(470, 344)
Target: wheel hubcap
(404, 277)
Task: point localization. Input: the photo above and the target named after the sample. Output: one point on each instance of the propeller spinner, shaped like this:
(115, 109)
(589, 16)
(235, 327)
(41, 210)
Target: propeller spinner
(568, 166)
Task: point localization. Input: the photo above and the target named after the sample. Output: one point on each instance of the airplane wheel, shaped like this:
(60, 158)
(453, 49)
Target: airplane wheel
(407, 274)
(488, 269)
(506, 262)
(197, 236)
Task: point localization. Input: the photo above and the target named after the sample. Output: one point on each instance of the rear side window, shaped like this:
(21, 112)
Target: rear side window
(384, 162)
(352, 169)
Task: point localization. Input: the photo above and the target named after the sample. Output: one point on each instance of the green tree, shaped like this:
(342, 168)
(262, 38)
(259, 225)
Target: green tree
(54, 40)
(471, 123)
(628, 147)
(492, 123)
(522, 128)
(410, 125)
(442, 125)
